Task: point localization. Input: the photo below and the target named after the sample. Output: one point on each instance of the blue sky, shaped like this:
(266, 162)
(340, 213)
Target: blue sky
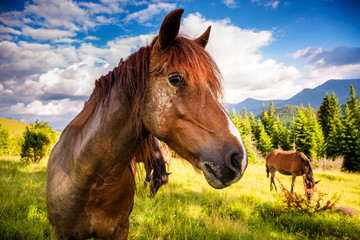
(52, 51)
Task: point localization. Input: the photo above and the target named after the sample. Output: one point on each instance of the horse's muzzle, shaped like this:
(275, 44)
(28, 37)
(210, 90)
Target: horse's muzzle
(220, 174)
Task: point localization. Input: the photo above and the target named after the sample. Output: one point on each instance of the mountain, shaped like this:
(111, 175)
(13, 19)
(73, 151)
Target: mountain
(17, 128)
(314, 96)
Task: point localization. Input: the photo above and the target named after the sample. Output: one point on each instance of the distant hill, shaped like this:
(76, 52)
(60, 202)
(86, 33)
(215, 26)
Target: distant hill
(16, 128)
(314, 96)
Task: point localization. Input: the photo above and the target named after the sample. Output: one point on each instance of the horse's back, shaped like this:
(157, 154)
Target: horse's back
(271, 157)
(285, 162)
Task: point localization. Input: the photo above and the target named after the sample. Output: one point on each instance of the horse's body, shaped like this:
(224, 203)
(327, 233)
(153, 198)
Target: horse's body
(169, 89)
(291, 163)
(154, 164)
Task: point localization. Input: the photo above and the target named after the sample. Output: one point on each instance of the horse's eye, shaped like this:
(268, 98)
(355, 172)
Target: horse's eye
(176, 80)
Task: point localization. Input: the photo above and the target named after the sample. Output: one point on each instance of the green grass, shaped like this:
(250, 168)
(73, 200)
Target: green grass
(22, 200)
(188, 208)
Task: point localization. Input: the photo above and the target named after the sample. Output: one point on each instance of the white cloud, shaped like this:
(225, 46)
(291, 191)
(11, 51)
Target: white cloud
(339, 63)
(52, 108)
(152, 9)
(230, 3)
(267, 3)
(53, 13)
(46, 34)
(245, 72)
(4, 29)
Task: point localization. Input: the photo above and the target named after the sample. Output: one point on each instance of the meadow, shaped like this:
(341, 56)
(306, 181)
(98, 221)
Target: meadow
(188, 208)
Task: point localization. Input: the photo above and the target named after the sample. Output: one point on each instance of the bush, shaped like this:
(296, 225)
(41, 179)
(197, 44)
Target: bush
(4, 141)
(37, 142)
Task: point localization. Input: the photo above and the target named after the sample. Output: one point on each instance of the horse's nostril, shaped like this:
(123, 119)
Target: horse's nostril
(235, 161)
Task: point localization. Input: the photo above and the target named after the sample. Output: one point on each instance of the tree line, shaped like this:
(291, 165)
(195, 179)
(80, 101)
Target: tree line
(329, 133)
(35, 143)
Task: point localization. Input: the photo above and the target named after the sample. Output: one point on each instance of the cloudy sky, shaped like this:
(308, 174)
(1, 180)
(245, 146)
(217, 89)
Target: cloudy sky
(52, 51)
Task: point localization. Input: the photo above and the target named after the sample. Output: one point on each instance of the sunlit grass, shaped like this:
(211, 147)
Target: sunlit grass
(188, 208)
(22, 200)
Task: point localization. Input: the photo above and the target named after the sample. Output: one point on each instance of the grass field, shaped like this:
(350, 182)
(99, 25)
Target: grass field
(188, 208)
(16, 128)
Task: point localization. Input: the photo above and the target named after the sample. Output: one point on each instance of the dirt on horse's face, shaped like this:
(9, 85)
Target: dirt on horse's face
(182, 106)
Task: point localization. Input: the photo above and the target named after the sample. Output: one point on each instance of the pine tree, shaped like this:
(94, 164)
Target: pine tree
(265, 120)
(300, 133)
(317, 139)
(329, 117)
(264, 142)
(351, 134)
(271, 112)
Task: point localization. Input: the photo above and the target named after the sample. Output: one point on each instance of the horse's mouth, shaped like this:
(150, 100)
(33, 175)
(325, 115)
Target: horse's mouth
(212, 175)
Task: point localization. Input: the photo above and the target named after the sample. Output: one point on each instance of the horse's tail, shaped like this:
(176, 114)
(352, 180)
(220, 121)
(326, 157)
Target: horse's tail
(267, 171)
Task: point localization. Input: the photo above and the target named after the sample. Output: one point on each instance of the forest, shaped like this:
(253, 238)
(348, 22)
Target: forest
(329, 133)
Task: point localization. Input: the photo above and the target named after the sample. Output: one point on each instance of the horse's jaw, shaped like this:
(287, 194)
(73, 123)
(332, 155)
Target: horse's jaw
(212, 175)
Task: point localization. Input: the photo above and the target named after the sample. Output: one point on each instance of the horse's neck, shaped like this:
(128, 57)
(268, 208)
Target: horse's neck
(107, 138)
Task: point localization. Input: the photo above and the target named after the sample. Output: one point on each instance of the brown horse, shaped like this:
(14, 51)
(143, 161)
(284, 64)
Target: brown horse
(291, 163)
(154, 164)
(170, 89)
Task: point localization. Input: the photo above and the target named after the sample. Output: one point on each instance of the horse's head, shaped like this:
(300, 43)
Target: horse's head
(310, 189)
(182, 105)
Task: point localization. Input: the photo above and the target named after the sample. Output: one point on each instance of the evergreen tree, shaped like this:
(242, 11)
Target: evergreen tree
(264, 143)
(271, 112)
(329, 117)
(301, 134)
(266, 120)
(253, 125)
(283, 136)
(317, 140)
(351, 134)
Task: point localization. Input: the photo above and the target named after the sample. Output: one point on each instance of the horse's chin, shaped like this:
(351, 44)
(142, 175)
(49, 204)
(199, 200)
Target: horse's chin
(211, 177)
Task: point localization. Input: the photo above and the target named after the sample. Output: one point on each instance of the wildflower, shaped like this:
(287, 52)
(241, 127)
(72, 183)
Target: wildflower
(347, 211)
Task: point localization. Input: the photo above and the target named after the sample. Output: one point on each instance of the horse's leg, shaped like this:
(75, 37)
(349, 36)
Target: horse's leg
(148, 169)
(272, 180)
(293, 183)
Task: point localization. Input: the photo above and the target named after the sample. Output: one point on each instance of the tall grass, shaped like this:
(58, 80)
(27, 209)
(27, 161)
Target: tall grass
(22, 200)
(188, 208)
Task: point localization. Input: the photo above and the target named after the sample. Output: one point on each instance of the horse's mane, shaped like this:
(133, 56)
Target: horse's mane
(308, 169)
(145, 150)
(131, 76)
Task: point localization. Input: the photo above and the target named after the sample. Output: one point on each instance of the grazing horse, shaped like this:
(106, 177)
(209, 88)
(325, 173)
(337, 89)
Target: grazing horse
(167, 155)
(154, 164)
(291, 163)
(170, 89)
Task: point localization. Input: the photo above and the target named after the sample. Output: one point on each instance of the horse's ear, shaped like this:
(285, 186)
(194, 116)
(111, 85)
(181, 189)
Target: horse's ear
(204, 38)
(170, 28)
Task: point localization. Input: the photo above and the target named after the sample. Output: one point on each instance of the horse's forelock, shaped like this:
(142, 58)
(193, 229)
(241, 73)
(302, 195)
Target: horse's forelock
(202, 69)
